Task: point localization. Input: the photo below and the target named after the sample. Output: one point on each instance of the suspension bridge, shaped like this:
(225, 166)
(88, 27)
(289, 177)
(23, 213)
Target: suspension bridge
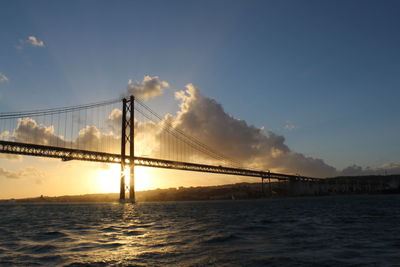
(127, 132)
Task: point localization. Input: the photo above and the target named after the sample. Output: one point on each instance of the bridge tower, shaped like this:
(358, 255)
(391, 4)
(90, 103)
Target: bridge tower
(127, 137)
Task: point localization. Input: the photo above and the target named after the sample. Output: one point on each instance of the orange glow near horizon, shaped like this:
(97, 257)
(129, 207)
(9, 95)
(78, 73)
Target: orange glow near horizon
(108, 179)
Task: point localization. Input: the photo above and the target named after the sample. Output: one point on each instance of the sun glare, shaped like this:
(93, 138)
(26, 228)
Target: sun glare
(143, 180)
(108, 179)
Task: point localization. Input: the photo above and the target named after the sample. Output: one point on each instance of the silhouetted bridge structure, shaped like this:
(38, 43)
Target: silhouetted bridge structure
(102, 132)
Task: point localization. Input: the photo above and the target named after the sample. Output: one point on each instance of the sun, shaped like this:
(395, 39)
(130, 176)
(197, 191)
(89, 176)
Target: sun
(108, 178)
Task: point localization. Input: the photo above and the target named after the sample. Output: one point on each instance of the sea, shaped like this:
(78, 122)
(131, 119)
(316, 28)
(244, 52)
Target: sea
(358, 230)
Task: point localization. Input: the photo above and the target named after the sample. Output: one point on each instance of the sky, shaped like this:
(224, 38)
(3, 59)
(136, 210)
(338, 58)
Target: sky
(320, 78)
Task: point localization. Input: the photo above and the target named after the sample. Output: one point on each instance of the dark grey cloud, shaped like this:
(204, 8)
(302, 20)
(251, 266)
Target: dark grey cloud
(384, 169)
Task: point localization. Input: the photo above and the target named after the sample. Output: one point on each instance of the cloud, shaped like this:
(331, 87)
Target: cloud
(30, 41)
(11, 157)
(9, 174)
(384, 169)
(28, 130)
(3, 78)
(206, 120)
(34, 41)
(289, 126)
(24, 173)
(352, 170)
(88, 137)
(114, 121)
(150, 87)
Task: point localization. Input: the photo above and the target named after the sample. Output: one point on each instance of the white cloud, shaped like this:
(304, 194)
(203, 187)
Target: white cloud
(3, 78)
(29, 131)
(206, 119)
(150, 87)
(114, 121)
(30, 41)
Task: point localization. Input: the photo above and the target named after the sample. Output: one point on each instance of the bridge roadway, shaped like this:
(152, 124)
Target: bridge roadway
(74, 154)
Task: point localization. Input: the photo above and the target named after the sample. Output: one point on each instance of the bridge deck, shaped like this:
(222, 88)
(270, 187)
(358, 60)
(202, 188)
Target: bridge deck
(74, 154)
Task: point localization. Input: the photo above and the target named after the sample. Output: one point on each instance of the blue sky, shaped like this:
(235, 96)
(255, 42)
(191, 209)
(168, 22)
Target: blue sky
(329, 68)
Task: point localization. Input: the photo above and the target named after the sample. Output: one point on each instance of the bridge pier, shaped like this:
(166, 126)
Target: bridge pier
(269, 184)
(122, 184)
(128, 107)
(132, 183)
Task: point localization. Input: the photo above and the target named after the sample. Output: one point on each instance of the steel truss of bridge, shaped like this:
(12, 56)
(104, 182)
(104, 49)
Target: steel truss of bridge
(67, 154)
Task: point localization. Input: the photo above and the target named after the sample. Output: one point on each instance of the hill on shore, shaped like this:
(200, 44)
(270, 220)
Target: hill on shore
(232, 191)
(330, 186)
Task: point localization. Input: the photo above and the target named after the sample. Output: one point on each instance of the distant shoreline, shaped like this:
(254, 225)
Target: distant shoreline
(241, 191)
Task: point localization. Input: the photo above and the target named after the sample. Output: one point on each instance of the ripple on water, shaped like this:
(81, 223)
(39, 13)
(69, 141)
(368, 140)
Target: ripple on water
(111, 245)
(110, 229)
(82, 246)
(221, 238)
(10, 245)
(133, 232)
(38, 248)
(49, 236)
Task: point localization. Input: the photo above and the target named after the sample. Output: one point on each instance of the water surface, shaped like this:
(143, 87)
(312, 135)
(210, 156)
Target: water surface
(323, 231)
